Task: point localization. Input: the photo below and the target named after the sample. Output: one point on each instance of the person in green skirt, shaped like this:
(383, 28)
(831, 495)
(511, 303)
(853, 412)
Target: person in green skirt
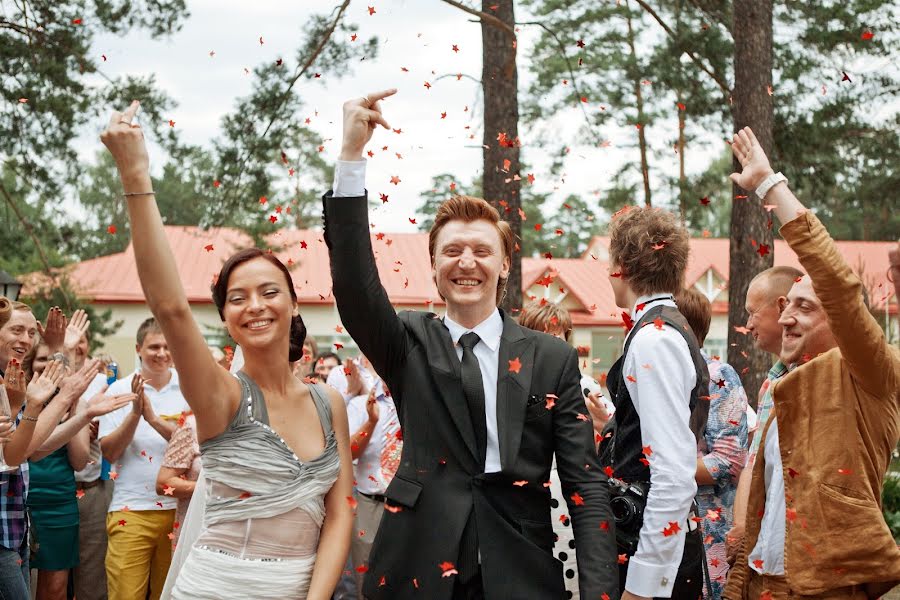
(52, 497)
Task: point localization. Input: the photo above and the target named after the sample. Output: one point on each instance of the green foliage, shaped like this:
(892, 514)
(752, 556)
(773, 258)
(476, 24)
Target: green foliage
(840, 155)
(266, 149)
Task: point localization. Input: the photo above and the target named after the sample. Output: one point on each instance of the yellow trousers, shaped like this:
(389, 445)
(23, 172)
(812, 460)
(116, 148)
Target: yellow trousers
(139, 553)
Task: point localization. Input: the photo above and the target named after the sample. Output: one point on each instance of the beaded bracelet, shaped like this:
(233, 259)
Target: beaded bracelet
(128, 194)
(27, 418)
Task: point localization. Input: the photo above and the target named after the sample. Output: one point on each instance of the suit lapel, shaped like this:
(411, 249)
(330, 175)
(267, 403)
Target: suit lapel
(446, 370)
(512, 388)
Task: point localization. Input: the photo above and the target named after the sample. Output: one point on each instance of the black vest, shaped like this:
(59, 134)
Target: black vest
(622, 447)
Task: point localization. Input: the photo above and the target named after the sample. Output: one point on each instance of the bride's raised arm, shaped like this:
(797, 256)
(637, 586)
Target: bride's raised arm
(212, 393)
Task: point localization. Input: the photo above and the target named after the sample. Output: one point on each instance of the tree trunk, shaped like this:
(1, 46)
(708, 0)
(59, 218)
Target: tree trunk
(499, 79)
(682, 177)
(750, 234)
(639, 103)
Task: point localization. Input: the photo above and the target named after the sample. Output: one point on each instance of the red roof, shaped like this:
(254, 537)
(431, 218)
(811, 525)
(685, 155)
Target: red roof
(867, 259)
(405, 269)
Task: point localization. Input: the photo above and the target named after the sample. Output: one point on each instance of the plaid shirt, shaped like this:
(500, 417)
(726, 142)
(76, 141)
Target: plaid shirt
(13, 493)
(764, 409)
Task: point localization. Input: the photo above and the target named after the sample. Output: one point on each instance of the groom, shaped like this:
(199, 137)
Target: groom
(484, 405)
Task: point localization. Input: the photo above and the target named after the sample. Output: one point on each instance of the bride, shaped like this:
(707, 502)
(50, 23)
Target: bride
(275, 451)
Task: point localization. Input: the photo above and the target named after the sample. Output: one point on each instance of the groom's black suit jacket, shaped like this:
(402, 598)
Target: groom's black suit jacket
(439, 481)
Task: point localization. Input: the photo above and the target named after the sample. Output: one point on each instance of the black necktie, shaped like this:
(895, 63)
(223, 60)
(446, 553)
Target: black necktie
(473, 387)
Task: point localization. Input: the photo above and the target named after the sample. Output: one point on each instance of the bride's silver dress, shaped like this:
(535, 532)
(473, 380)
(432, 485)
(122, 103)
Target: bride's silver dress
(264, 508)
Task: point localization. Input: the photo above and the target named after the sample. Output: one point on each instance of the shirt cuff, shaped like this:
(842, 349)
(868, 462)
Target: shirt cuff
(349, 179)
(654, 581)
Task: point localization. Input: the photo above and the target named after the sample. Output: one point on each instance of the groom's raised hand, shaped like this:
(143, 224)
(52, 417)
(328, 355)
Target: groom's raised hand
(361, 116)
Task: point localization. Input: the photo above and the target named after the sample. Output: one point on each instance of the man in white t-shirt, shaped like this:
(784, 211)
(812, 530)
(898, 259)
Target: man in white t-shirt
(375, 445)
(133, 440)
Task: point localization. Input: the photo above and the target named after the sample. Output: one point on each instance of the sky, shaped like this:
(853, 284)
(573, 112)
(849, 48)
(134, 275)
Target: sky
(202, 67)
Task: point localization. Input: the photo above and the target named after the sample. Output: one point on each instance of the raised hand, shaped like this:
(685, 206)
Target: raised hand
(45, 384)
(54, 332)
(77, 328)
(125, 141)
(15, 383)
(137, 388)
(361, 116)
(754, 162)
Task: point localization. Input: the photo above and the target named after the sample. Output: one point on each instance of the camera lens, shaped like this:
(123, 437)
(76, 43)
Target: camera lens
(622, 509)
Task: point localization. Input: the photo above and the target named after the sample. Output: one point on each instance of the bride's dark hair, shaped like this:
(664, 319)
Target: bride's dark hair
(220, 287)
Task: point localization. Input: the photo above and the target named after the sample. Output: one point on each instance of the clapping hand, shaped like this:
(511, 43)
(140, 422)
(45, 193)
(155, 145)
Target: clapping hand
(43, 385)
(754, 162)
(355, 384)
(137, 388)
(372, 408)
(54, 332)
(75, 384)
(361, 117)
(76, 329)
(101, 404)
(15, 383)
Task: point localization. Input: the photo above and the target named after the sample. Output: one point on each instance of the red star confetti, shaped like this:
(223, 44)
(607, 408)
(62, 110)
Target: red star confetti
(515, 365)
(658, 322)
(113, 475)
(551, 401)
(521, 483)
(171, 123)
(111, 230)
(122, 522)
(867, 35)
(763, 249)
(577, 499)
(395, 179)
(208, 247)
(351, 501)
(672, 529)
(371, 10)
(168, 490)
(448, 569)
(79, 494)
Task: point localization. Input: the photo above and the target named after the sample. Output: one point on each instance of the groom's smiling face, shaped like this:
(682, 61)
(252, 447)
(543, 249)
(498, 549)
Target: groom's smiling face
(469, 262)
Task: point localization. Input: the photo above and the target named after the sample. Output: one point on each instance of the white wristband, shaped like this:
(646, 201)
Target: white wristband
(768, 183)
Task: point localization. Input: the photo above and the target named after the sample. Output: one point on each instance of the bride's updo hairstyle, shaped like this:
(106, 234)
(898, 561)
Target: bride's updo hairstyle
(220, 287)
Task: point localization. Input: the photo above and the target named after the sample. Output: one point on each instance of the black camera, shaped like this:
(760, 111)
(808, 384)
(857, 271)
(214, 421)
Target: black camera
(627, 501)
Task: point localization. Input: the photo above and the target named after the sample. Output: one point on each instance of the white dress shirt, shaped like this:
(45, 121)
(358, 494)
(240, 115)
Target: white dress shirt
(350, 180)
(487, 351)
(769, 547)
(660, 363)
